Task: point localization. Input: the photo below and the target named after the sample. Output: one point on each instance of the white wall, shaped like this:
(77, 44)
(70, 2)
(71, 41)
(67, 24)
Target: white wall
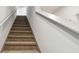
(69, 13)
(4, 12)
(49, 37)
(7, 17)
(21, 10)
(50, 9)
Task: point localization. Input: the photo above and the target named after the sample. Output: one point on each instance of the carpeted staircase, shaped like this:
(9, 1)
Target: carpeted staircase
(20, 38)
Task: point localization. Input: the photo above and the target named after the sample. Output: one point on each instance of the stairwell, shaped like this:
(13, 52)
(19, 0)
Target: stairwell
(20, 38)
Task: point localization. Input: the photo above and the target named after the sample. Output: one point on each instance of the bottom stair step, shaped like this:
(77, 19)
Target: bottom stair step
(19, 48)
(22, 51)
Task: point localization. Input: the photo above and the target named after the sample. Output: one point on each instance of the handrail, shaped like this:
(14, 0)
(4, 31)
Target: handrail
(68, 30)
(7, 17)
(54, 18)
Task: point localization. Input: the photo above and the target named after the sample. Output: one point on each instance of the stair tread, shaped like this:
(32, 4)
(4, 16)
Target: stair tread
(14, 39)
(20, 40)
(21, 23)
(21, 26)
(20, 43)
(20, 31)
(20, 48)
(21, 51)
(20, 35)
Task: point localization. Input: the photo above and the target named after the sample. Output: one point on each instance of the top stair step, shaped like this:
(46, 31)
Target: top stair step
(18, 25)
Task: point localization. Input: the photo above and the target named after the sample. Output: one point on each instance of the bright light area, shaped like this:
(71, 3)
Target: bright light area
(21, 10)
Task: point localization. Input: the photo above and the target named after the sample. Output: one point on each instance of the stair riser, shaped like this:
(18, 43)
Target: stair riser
(20, 23)
(20, 33)
(17, 31)
(20, 28)
(21, 38)
(20, 43)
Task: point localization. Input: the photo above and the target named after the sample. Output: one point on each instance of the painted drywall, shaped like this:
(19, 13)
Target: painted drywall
(50, 9)
(7, 17)
(69, 13)
(5, 11)
(21, 10)
(49, 37)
